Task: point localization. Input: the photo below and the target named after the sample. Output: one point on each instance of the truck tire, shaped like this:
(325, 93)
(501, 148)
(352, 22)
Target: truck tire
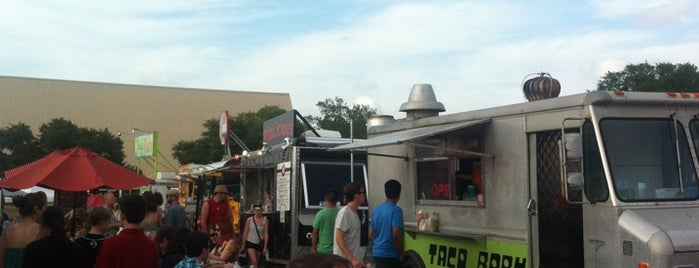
(412, 260)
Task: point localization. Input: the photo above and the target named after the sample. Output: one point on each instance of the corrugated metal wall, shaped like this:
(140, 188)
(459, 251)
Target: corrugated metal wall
(175, 113)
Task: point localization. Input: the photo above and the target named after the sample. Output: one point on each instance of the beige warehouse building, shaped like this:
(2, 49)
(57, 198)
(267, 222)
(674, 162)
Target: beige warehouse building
(175, 113)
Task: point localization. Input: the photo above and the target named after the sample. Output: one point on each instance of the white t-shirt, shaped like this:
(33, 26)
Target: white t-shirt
(348, 222)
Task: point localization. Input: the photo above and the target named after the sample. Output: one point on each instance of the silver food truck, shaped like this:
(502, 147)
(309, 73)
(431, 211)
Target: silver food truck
(297, 169)
(598, 179)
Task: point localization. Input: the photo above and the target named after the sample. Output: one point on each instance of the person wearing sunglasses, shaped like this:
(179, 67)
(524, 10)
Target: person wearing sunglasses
(256, 236)
(214, 234)
(223, 248)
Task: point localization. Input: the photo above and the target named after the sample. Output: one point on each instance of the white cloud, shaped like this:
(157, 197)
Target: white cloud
(616, 9)
(390, 51)
(669, 13)
(610, 65)
(474, 53)
(648, 13)
(462, 49)
(365, 100)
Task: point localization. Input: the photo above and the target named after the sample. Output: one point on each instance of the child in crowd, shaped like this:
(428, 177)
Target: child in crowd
(99, 219)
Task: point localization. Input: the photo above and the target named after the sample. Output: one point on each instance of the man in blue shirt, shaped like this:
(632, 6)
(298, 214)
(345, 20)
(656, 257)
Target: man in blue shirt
(387, 229)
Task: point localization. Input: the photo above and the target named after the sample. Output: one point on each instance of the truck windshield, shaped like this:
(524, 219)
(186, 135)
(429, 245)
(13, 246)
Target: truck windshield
(649, 159)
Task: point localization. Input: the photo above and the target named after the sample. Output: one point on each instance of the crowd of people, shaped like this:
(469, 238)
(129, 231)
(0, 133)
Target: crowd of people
(130, 231)
(135, 231)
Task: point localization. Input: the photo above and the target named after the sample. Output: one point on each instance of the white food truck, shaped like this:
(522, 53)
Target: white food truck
(598, 179)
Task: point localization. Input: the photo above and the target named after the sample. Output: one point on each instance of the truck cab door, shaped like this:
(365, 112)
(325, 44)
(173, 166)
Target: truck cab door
(556, 225)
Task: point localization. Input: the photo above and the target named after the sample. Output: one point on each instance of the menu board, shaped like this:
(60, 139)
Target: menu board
(284, 186)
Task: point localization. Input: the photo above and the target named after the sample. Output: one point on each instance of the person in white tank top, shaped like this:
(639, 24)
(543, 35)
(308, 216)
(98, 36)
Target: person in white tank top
(255, 235)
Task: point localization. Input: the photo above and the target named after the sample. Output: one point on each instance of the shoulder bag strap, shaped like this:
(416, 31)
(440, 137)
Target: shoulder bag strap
(256, 229)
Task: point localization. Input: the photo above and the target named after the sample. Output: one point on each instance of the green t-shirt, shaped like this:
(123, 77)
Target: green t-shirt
(325, 223)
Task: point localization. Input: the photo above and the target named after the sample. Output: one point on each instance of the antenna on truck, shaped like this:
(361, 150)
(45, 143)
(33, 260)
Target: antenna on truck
(239, 141)
(305, 122)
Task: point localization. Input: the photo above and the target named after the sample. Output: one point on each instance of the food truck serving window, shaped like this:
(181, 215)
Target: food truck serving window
(452, 179)
(448, 167)
(321, 176)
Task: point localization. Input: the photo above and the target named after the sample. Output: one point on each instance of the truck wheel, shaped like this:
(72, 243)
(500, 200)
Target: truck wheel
(412, 260)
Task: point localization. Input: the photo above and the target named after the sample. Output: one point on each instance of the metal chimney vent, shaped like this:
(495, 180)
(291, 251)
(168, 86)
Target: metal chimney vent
(422, 103)
(379, 120)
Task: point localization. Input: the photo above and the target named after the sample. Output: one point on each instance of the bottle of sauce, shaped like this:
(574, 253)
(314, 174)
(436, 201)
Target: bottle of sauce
(421, 220)
(434, 222)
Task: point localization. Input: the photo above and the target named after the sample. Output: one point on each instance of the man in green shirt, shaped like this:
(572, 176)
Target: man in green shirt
(324, 225)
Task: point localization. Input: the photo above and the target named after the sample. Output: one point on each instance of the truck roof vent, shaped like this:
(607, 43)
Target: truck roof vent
(421, 103)
(541, 87)
(379, 120)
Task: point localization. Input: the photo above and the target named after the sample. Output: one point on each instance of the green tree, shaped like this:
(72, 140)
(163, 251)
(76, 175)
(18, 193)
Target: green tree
(336, 115)
(660, 77)
(206, 149)
(58, 134)
(20, 146)
(248, 127)
(62, 134)
(102, 142)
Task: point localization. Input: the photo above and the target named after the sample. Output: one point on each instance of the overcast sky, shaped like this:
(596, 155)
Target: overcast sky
(474, 53)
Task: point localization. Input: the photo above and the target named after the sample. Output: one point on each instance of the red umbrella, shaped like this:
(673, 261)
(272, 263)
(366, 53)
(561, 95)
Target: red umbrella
(72, 170)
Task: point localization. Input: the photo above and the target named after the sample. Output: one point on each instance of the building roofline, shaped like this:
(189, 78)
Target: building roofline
(143, 85)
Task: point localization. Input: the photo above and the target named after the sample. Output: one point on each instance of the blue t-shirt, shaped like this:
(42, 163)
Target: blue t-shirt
(188, 262)
(384, 218)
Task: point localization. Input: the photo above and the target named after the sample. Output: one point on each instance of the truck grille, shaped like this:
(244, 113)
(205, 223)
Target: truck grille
(627, 247)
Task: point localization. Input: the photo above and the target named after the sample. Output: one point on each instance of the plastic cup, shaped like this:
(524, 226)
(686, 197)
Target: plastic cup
(641, 192)
(471, 190)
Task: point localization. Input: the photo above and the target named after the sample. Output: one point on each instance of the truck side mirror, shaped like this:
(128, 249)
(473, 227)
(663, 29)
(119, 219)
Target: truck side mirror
(571, 159)
(573, 146)
(574, 179)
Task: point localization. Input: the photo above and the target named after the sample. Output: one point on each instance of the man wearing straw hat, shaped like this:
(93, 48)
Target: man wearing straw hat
(216, 211)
